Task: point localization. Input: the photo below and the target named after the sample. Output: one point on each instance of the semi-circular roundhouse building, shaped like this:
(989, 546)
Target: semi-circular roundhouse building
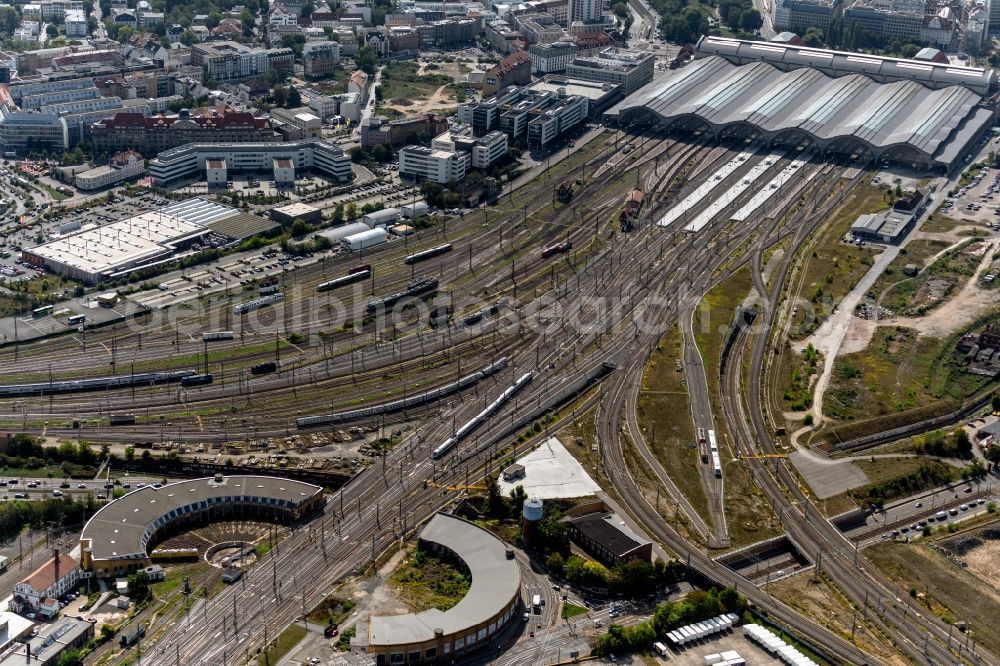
(493, 600)
(118, 538)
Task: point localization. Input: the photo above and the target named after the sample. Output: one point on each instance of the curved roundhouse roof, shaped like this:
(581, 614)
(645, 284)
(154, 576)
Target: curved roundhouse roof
(121, 529)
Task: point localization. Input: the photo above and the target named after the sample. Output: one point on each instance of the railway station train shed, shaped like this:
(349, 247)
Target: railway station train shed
(117, 539)
(925, 115)
(493, 600)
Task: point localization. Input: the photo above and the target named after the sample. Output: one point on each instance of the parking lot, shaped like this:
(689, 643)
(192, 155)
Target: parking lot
(978, 201)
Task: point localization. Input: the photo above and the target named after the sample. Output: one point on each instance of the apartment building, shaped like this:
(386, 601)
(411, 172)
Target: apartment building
(320, 58)
(586, 11)
(230, 61)
(76, 24)
(515, 69)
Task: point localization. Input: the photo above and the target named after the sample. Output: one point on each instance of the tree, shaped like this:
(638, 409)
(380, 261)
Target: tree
(751, 20)
(299, 227)
(213, 19)
(338, 214)
(813, 38)
(963, 445)
(351, 212)
(517, 497)
(279, 95)
(247, 23)
(555, 561)
(367, 60)
(129, 453)
(378, 93)
(494, 500)
(9, 20)
(70, 657)
(294, 98)
(138, 587)
(620, 9)
(52, 31)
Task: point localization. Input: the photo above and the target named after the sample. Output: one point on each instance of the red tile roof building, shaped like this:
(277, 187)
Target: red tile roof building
(515, 69)
(51, 580)
(154, 134)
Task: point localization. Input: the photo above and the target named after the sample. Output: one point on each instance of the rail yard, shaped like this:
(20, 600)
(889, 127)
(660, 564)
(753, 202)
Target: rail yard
(454, 351)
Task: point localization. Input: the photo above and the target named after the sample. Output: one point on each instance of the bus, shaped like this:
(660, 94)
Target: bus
(43, 311)
(77, 319)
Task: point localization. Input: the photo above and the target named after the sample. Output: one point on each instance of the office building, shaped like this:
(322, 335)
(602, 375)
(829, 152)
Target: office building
(550, 58)
(895, 19)
(420, 163)
(151, 135)
(484, 150)
(312, 155)
(123, 166)
(629, 69)
(380, 131)
(799, 15)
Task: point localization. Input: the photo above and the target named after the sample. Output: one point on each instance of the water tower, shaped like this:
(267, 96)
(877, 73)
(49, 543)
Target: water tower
(532, 512)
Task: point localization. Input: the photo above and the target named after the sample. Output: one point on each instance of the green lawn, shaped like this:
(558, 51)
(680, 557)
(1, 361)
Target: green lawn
(572, 610)
(426, 581)
(288, 639)
(400, 81)
(666, 420)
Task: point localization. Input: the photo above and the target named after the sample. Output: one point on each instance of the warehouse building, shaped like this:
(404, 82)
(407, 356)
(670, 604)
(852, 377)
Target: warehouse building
(919, 123)
(889, 226)
(493, 600)
(51, 641)
(116, 541)
(94, 254)
(142, 241)
(296, 211)
(280, 161)
(608, 538)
